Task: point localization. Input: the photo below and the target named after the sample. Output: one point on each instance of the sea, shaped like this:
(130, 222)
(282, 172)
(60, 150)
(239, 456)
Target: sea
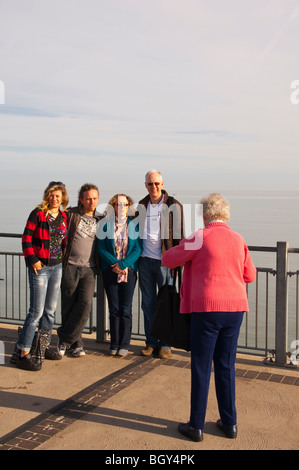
(262, 217)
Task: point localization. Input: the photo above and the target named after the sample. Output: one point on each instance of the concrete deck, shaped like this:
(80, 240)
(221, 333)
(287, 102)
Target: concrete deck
(99, 402)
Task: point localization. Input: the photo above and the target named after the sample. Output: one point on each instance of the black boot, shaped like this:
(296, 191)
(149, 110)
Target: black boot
(28, 363)
(52, 355)
(34, 360)
(16, 354)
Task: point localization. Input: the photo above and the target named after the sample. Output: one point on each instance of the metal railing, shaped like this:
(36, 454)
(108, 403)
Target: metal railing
(271, 329)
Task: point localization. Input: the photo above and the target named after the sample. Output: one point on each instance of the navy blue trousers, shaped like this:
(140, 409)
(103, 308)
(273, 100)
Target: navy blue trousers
(214, 337)
(120, 297)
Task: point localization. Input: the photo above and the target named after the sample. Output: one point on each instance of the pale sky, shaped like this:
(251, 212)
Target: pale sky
(103, 90)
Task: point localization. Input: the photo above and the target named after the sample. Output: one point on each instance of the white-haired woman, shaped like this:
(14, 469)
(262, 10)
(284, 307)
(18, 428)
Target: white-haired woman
(43, 243)
(217, 266)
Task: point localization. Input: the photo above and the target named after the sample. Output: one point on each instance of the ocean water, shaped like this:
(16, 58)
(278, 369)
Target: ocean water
(262, 217)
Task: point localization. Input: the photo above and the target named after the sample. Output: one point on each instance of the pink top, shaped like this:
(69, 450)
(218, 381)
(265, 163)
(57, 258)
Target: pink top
(217, 266)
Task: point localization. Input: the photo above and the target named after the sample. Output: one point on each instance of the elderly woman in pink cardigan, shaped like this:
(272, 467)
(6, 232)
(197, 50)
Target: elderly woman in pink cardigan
(217, 264)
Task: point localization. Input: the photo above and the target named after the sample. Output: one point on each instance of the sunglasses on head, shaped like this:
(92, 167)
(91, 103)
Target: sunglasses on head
(54, 183)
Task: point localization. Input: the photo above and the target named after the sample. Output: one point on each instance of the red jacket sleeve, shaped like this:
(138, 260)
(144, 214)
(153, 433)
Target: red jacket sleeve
(184, 252)
(27, 245)
(249, 268)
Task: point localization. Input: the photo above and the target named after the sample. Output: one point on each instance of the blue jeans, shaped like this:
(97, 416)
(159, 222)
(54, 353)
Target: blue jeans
(120, 297)
(44, 291)
(214, 337)
(152, 275)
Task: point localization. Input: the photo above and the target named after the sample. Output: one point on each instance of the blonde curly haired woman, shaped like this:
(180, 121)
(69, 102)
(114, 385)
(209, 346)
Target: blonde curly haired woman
(43, 244)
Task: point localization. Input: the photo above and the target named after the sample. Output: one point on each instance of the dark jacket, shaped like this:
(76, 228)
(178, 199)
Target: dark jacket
(172, 221)
(73, 219)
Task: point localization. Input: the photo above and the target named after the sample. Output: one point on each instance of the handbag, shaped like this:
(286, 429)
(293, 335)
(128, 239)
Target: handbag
(39, 346)
(170, 326)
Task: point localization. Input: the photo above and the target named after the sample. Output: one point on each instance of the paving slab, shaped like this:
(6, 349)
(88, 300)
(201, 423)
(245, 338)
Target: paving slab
(105, 403)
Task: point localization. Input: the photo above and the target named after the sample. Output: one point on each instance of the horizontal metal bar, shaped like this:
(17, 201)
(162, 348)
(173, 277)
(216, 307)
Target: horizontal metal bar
(11, 235)
(292, 273)
(266, 270)
(269, 249)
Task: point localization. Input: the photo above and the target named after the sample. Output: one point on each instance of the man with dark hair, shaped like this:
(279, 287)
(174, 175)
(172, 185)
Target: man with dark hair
(80, 265)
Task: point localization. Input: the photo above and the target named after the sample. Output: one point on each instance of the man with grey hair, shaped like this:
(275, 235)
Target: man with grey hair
(161, 228)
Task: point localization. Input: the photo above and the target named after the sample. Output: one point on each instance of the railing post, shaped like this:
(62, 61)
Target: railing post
(101, 332)
(281, 331)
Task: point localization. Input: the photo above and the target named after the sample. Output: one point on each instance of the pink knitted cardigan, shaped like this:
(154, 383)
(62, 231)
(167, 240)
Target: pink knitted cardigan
(217, 264)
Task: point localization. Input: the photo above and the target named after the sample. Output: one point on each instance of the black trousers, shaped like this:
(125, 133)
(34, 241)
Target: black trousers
(77, 289)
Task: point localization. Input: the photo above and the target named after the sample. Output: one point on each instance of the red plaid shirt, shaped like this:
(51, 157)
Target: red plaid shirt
(36, 237)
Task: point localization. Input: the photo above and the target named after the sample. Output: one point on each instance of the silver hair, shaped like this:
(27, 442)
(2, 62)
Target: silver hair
(215, 206)
(150, 172)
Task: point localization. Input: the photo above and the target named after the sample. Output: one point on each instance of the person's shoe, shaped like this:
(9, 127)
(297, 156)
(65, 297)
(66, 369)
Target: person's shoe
(147, 351)
(195, 435)
(78, 352)
(113, 352)
(61, 348)
(164, 353)
(52, 355)
(230, 431)
(27, 363)
(122, 352)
